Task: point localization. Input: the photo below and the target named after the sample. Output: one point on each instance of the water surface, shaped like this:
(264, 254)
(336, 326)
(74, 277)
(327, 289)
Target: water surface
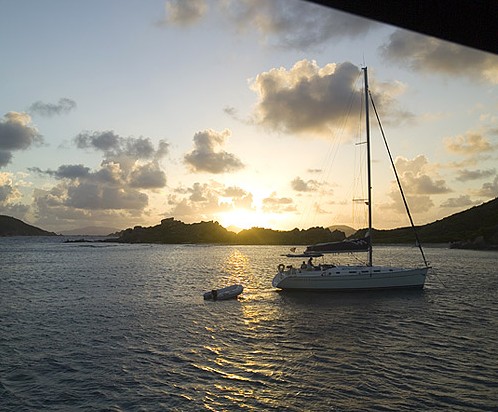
(124, 327)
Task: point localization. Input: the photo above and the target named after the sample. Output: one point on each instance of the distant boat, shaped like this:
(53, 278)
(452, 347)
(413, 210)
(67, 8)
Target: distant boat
(344, 277)
(229, 292)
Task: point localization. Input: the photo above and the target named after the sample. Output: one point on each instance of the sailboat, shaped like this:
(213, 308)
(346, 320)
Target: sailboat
(352, 277)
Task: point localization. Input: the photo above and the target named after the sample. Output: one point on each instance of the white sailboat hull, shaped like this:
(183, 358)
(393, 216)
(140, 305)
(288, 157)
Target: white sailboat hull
(347, 278)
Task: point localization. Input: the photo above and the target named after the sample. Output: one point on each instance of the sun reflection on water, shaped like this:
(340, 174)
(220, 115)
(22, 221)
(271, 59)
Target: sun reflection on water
(236, 265)
(242, 364)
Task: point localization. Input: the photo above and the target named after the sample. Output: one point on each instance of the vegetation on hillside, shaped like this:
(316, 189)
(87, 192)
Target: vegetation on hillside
(174, 231)
(473, 228)
(478, 225)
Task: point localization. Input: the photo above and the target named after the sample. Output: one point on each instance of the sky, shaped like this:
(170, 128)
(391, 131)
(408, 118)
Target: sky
(120, 113)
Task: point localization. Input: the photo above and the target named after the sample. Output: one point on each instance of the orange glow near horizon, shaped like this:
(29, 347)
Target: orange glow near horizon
(244, 219)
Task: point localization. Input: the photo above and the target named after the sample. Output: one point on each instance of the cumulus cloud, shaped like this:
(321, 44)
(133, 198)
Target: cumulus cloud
(420, 181)
(299, 185)
(7, 190)
(88, 195)
(308, 99)
(231, 111)
(208, 156)
(459, 202)
(294, 24)
(105, 141)
(414, 175)
(184, 12)
(65, 171)
(206, 201)
(241, 199)
(63, 106)
(114, 145)
(5, 157)
(417, 203)
(16, 133)
(489, 189)
(470, 143)
(96, 190)
(282, 23)
(275, 204)
(112, 186)
(10, 197)
(115, 189)
(466, 175)
(427, 54)
(148, 176)
(53, 211)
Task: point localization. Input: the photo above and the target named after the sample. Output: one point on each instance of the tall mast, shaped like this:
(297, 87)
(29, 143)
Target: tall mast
(369, 177)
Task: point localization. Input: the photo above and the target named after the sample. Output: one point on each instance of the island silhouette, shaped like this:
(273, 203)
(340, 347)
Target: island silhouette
(474, 228)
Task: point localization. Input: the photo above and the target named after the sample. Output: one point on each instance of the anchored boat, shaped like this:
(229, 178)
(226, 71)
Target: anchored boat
(229, 292)
(345, 277)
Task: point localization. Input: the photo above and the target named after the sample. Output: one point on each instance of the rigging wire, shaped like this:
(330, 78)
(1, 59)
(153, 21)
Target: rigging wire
(398, 181)
(359, 173)
(326, 169)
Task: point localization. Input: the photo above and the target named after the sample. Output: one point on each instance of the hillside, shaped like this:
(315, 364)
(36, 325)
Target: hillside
(174, 231)
(10, 226)
(475, 228)
(478, 225)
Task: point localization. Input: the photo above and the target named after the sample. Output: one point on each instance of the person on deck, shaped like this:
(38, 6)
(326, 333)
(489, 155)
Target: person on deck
(310, 263)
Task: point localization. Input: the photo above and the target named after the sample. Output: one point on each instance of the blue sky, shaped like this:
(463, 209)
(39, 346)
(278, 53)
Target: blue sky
(122, 113)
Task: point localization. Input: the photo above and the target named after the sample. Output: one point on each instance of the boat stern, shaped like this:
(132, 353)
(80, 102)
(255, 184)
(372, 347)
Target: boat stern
(280, 276)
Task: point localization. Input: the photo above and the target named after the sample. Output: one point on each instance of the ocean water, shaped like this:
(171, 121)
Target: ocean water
(117, 327)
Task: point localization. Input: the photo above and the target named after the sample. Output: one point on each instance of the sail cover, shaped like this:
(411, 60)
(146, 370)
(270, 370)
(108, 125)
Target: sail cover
(346, 246)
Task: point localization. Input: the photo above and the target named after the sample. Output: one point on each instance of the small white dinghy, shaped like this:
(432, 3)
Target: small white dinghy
(230, 292)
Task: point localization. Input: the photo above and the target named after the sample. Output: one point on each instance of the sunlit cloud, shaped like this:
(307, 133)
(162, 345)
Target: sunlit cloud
(241, 199)
(52, 210)
(16, 133)
(207, 201)
(300, 185)
(113, 190)
(318, 208)
(208, 154)
(417, 203)
(275, 204)
(10, 196)
(308, 99)
(8, 191)
(420, 181)
(63, 106)
(430, 55)
(415, 178)
(470, 143)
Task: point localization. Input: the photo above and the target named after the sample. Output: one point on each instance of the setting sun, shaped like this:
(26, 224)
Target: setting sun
(243, 219)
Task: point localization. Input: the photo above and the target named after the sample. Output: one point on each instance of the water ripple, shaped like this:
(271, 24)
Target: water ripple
(125, 328)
